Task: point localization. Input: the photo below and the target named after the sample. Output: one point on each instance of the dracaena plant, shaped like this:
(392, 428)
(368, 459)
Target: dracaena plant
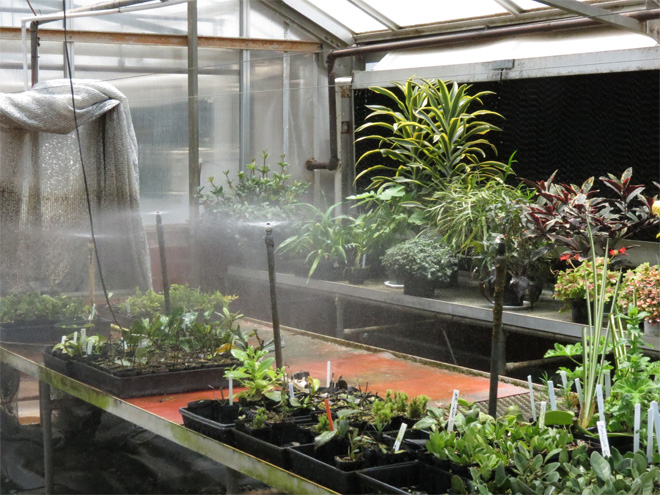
(561, 212)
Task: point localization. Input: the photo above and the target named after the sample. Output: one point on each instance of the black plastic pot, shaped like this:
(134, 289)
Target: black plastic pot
(318, 466)
(140, 385)
(211, 418)
(579, 312)
(410, 477)
(272, 443)
(31, 332)
(419, 287)
(356, 276)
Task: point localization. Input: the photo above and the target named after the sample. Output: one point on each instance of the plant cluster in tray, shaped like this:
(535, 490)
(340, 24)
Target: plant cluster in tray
(182, 299)
(641, 290)
(163, 343)
(33, 306)
(421, 259)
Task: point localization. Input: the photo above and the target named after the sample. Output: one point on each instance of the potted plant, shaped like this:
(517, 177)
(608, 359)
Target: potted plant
(363, 234)
(641, 289)
(576, 283)
(422, 264)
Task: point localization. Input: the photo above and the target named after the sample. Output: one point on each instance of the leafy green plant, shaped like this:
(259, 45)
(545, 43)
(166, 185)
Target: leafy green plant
(417, 406)
(576, 282)
(641, 289)
(259, 420)
(183, 299)
(31, 306)
(257, 375)
(420, 258)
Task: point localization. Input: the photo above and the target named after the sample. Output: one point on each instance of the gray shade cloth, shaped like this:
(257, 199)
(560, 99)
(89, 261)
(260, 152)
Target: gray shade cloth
(44, 221)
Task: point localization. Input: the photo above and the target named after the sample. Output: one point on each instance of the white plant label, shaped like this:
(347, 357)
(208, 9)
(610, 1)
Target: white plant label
(601, 403)
(551, 394)
(542, 414)
(608, 383)
(637, 426)
(128, 308)
(399, 437)
(75, 337)
(649, 436)
(656, 422)
(604, 442)
(124, 344)
(291, 390)
(63, 339)
(327, 376)
(83, 337)
(578, 388)
(564, 380)
(90, 346)
(531, 397)
(452, 411)
(231, 390)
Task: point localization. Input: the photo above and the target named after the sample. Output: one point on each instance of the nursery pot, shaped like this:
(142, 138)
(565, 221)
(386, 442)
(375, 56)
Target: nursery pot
(346, 464)
(419, 287)
(579, 312)
(356, 275)
(651, 328)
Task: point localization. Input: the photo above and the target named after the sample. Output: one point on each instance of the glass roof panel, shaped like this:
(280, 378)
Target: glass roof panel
(415, 12)
(349, 15)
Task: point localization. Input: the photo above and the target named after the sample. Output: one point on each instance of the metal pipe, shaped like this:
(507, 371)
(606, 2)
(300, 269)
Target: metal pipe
(163, 263)
(270, 253)
(497, 351)
(194, 169)
(34, 51)
(47, 433)
(437, 40)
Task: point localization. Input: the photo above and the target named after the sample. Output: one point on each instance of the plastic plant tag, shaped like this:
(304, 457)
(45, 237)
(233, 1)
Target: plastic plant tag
(291, 390)
(578, 388)
(551, 394)
(637, 426)
(90, 346)
(75, 337)
(564, 380)
(124, 344)
(399, 437)
(329, 413)
(452, 411)
(531, 397)
(128, 307)
(83, 337)
(63, 339)
(542, 414)
(608, 383)
(231, 390)
(327, 376)
(602, 435)
(649, 436)
(601, 403)
(656, 422)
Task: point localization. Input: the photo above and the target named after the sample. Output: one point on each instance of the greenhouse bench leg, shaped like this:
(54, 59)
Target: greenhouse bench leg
(47, 432)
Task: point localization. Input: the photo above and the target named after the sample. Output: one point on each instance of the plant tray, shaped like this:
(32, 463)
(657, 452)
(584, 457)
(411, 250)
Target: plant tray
(410, 477)
(274, 445)
(31, 332)
(210, 418)
(139, 385)
(317, 466)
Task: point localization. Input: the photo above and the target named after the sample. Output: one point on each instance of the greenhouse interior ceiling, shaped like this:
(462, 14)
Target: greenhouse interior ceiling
(330, 246)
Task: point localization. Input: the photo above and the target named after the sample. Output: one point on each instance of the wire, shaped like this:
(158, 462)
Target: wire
(84, 173)
(30, 5)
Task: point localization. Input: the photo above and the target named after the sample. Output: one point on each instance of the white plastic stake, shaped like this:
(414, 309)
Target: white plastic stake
(649, 436)
(656, 422)
(637, 426)
(601, 403)
(542, 414)
(291, 390)
(452, 411)
(578, 388)
(231, 390)
(399, 437)
(63, 339)
(608, 383)
(327, 376)
(604, 442)
(551, 394)
(90, 346)
(83, 337)
(531, 397)
(128, 308)
(564, 380)
(75, 337)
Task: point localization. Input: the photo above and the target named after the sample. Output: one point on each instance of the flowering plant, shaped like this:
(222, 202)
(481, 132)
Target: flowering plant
(573, 282)
(641, 286)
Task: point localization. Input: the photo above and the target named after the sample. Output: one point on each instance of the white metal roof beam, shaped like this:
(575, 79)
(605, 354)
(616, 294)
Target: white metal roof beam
(379, 16)
(598, 14)
(512, 7)
(322, 19)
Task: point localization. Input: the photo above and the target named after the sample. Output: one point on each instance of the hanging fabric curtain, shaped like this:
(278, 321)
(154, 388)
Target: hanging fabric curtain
(44, 222)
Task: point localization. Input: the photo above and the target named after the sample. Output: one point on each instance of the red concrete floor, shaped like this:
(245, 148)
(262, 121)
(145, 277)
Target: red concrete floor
(375, 371)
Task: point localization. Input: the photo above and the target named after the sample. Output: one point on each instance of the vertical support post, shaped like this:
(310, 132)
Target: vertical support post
(244, 88)
(47, 432)
(34, 51)
(270, 252)
(497, 339)
(339, 329)
(163, 263)
(232, 481)
(91, 273)
(193, 112)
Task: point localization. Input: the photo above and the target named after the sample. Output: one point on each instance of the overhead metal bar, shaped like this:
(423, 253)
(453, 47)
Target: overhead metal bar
(77, 36)
(376, 14)
(510, 6)
(597, 14)
(322, 19)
